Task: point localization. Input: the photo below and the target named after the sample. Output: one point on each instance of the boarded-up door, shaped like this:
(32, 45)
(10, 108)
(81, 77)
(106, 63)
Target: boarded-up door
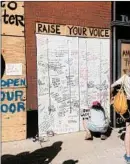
(72, 72)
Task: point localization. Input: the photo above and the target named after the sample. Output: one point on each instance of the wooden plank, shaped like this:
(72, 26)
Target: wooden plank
(12, 18)
(13, 52)
(13, 83)
(125, 57)
(70, 30)
(13, 100)
(13, 49)
(14, 119)
(13, 133)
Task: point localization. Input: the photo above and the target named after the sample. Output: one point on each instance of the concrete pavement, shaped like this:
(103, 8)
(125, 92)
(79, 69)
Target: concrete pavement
(73, 147)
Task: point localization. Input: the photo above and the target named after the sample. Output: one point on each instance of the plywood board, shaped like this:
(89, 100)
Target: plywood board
(12, 18)
(62, 54)
(13, 82)
(13, 49)
(13, 120)
(125, 57)
(9, 96)
(13, 133)
(70, 30)
(13, 96)
(13, 52)
(72, 72)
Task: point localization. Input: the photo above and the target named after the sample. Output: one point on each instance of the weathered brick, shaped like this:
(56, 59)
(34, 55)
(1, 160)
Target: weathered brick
(91, 14)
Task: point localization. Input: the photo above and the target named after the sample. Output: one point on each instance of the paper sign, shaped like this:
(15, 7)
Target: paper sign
(14, 69)
(125, 57)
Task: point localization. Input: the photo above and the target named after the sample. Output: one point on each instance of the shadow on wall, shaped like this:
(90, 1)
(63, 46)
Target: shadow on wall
(32, 123)
(41, 156)
(2, 66)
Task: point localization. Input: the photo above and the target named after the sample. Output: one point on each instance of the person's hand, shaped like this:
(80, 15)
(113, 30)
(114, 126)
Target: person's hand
(112, 89)
(111, 92)
(112, 100)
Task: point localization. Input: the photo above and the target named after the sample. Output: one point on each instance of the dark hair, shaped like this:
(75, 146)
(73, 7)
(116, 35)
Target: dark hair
(98, 107)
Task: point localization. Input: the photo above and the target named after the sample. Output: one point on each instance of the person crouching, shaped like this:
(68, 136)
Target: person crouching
(96, 122)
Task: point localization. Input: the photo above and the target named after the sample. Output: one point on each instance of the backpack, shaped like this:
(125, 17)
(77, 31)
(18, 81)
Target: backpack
(120, 101)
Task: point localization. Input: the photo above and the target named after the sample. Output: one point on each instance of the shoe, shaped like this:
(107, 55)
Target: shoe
(103, 137)
(88, 137)
(127, 159)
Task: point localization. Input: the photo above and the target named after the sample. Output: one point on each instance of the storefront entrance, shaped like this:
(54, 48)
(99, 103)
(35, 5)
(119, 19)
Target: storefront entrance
(120, 45)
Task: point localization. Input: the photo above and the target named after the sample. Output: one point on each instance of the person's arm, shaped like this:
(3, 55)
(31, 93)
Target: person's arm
(118, 82)
(84, 121)
(84, 124)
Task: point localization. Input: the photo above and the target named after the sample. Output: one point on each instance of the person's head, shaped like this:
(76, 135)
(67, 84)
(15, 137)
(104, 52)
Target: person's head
(96, 104)
(127, 71)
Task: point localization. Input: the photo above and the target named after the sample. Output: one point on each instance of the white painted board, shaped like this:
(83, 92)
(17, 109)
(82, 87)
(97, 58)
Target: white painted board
(72, 72)
(58, 94)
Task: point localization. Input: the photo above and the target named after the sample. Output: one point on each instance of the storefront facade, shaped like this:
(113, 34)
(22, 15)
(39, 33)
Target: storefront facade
(120, 27)
(67, 48)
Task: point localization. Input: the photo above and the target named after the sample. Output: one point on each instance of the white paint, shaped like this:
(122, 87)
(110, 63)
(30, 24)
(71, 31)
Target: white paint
(72, 72)
(94, 73)
(13, 69)
(125, 18)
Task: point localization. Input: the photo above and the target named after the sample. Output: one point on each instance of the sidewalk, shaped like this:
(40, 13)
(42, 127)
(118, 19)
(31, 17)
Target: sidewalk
(73, 147)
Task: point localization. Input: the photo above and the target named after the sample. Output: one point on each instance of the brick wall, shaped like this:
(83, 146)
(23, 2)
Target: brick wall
(91, 14)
